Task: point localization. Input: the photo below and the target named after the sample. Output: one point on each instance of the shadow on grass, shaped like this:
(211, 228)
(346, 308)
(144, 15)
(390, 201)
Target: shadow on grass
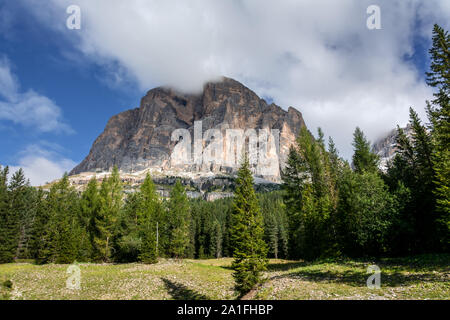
(432, 268)
(285, 266)
(179, 291)
(425, 262)
(358, 277)
(279, 266)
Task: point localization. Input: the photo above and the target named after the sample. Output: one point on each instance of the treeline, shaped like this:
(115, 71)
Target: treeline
(101, 224)
(335, 208)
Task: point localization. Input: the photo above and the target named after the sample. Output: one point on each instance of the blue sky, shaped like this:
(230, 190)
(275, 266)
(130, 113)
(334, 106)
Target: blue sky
(59, 87)
(38, 59)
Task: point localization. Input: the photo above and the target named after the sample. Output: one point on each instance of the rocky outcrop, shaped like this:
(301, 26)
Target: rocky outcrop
(142, 138)
(208, 187)
(386, 147)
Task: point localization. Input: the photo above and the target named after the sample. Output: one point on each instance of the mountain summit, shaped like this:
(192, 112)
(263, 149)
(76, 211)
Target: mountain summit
(143, 138)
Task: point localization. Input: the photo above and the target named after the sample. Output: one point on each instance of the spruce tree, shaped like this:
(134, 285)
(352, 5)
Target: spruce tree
(310, 186)
(363, 159)
(15, 209)
(293, 186)
(60, 241)
(179, 220)
(439, 114)
(22, 208)
(410, 177)
(275, 223)
(128, 241)
(335, 162)
(148, 214)
(90, 210)
(249, 248)
(6, 246)
(41, 218)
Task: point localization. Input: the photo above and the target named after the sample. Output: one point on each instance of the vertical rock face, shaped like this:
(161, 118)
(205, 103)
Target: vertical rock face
(144, 138)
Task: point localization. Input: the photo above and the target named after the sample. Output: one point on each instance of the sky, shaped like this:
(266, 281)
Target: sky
(59, 86)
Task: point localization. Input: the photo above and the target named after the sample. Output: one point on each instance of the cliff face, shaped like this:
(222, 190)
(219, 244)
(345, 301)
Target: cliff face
(141, 138)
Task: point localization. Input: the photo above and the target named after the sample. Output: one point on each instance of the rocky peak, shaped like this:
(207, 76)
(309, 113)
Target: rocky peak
(141, 138)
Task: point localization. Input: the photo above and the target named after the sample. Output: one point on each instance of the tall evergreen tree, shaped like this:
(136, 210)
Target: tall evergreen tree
(90, 210)
(149, 213)
(128, 242)
(439, 115)
(104, 224)
(41, 218)
(179, 220)
(310, 186)
(293, 177)
(250, 251)
(60, 242)
(410, 178)
(363, 158)
(22, 205)
(275, 223)
(17, 208)
(7, 223)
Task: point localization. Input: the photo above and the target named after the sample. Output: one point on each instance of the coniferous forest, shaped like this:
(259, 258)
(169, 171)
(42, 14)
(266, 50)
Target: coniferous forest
(327, 207)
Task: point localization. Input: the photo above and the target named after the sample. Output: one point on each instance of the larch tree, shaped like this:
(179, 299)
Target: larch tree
(105, 222)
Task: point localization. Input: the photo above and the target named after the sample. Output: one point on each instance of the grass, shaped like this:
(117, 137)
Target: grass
(421, 277)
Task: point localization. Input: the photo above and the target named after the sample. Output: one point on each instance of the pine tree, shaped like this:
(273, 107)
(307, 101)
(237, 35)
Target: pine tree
(363, 158)
(179, 220)
(250, 251)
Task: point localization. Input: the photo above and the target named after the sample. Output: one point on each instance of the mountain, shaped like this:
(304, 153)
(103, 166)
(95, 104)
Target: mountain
(385, 147)
(162, 134)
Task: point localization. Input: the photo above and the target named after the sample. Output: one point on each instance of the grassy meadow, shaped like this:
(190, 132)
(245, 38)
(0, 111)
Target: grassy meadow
(421, 277)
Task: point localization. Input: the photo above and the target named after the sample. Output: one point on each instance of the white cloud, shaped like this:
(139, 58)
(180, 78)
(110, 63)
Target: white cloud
(42, 165)
(27, 108)
(315, 55)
